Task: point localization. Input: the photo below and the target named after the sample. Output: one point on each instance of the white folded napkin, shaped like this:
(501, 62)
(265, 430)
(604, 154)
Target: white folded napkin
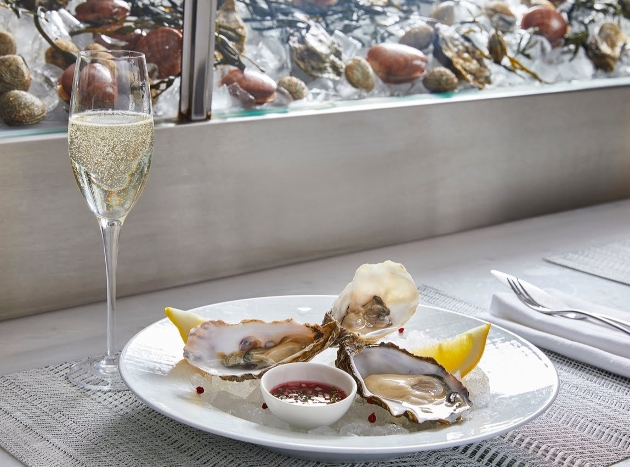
(583, 340)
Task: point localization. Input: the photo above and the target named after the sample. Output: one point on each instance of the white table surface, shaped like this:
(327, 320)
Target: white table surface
(458, 264)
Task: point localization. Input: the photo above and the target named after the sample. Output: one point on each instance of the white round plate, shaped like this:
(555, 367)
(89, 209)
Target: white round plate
(522, 380)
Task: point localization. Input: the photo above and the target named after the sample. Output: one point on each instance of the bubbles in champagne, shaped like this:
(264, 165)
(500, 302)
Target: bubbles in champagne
(110, 154)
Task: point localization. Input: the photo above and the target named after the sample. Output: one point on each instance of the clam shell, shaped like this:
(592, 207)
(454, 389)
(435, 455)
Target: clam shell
(14, 74)
(379, 300)
(212, 343)
(294, 86)
(419, 36)
(19, 108)
(163, 48)
(445, 401)
(396, 63)
(8, 46)
(440, 79)
(359, 74)
(54, 57)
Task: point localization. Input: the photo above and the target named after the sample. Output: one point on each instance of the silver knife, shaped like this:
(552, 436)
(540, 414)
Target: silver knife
(549, 301)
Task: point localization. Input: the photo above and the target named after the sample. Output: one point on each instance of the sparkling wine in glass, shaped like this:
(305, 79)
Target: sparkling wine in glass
(110, 142)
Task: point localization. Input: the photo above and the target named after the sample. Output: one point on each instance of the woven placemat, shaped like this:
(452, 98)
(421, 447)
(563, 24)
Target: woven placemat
(610, 261)
(45, 421)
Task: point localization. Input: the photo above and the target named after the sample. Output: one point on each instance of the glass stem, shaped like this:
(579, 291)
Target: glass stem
(110, 230)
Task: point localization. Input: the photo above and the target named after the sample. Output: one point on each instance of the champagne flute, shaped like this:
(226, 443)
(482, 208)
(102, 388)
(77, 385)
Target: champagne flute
(110, 142)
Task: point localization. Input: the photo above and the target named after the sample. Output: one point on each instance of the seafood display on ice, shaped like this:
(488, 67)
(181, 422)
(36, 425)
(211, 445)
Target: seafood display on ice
(300, 54)
(378, 301)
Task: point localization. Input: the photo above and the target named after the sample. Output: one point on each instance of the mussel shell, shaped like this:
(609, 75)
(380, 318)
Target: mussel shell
(359, 74)
(440, 79)
(549, 23)
(14, 74)
(497, 47)
(361, 361)
(259, 85)
(396, 63)
(18, 108)
(8, 46)
(163, 48)
(102, 11)
(294, 86)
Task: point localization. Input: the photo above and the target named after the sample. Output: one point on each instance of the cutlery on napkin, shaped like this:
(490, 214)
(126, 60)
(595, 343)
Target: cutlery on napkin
(583, 340)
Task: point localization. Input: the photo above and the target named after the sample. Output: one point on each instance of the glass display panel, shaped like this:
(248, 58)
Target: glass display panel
(278, 56)
(309, 54)
(39, 41)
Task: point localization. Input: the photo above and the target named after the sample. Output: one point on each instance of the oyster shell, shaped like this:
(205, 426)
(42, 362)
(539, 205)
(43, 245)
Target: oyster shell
(247, 349)
(418, 388)
(316, 52)
(606, 46)
(379, 300)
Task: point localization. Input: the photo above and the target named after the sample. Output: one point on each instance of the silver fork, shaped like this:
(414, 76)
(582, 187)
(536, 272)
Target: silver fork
(528, 300)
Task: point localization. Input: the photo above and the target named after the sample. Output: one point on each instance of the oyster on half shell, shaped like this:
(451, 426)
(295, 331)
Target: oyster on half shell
(247, 349)
(418, 388)
(379, 300)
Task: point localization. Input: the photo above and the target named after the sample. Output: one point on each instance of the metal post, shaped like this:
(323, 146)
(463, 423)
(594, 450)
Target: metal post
(197, 59)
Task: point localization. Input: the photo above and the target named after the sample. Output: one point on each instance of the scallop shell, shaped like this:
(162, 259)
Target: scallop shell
(19, 108)
(163, 48)
(14, 74)
(246, 350)
(418, 388)
(379, 300)
(8, 46)
(359, 74)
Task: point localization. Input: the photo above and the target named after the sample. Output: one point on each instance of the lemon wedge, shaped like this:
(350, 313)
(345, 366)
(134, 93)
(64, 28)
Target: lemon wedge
(183, 320)
(461, 353)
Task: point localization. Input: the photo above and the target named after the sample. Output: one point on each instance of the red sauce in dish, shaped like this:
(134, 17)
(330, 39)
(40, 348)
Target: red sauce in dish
(308, 393)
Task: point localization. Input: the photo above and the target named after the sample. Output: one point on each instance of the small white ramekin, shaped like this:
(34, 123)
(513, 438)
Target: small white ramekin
(308, 416)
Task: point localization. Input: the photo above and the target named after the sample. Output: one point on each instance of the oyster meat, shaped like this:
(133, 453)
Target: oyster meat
(247, 349)
(379, 300)
(418, 388)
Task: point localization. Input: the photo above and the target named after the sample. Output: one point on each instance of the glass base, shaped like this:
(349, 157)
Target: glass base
(97, 373)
